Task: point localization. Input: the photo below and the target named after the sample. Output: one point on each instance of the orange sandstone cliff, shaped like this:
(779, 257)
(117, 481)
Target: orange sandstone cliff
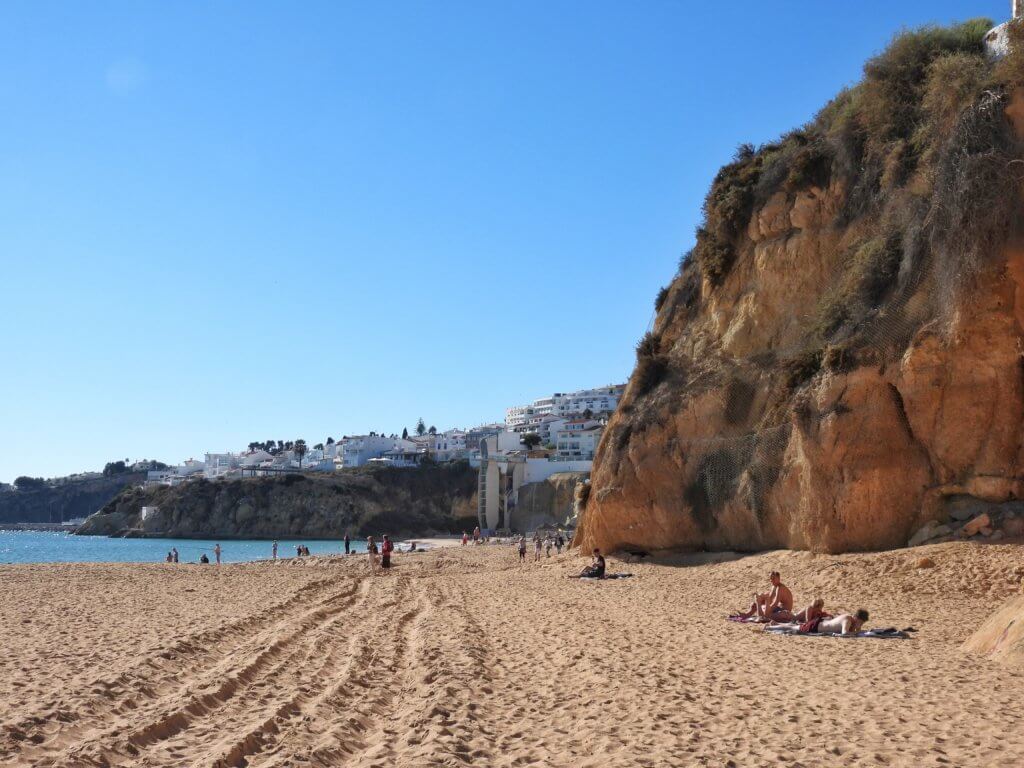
(840, 356)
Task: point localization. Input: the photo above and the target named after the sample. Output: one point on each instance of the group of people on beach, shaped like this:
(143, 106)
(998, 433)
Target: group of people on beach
(380, 559)
(477, 537)
(776, 607)
(539, 544)
(172, 556)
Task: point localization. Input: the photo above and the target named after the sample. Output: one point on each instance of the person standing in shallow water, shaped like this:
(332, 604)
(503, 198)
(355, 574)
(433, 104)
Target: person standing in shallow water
(348, 545)
(216, 552)
(274, 551)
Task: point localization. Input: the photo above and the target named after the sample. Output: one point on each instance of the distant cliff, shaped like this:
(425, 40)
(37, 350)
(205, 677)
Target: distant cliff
(403, 502)
(63, 501)
(841, 352)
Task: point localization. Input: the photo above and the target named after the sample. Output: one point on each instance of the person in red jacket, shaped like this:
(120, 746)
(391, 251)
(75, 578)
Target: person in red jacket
(386, 548)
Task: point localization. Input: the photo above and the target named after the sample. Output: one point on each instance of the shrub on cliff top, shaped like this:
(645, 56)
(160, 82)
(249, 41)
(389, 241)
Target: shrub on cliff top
(651, 365)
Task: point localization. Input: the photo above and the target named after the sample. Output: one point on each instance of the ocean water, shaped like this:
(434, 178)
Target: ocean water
(44, 547)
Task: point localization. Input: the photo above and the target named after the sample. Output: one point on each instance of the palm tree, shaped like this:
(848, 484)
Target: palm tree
(299, 446)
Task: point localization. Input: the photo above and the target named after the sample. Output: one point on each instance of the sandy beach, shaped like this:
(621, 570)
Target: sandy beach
(461, 656)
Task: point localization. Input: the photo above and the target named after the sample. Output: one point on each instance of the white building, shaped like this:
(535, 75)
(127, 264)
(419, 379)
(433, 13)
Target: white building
(601, 400)
(577, 440)
(357, 450)
(219, 464)
(450, 445)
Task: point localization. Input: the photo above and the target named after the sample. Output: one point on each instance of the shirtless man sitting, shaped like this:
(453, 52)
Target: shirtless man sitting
(775, 605)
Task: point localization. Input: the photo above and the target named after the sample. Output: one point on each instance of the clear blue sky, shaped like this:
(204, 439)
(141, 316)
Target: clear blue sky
(227, 221)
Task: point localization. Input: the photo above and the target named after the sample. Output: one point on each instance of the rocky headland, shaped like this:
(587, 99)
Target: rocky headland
(405, 502)
(63, 498)
(838, 362)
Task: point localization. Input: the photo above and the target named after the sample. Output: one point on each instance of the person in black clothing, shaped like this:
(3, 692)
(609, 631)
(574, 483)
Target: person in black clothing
(348, 544)
(596, 568)
(204, 559)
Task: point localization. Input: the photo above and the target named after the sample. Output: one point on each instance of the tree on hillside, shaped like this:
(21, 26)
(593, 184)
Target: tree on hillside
(330, 441)
(318, 447)
(114, 468)
(587, 413)
(405, 433)
(531, 440)
(25, 483)
(420, 427)
(299, 446)
(432, 430)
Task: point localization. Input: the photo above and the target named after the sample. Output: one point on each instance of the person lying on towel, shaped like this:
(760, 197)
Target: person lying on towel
(843, 624)
(774, 605)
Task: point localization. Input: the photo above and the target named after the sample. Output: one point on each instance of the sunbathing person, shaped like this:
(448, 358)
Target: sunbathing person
(844, 623)
(775, 605)
(815, 610)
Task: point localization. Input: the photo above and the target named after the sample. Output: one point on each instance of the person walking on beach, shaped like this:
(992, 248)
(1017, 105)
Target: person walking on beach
(174, 551)
(371, 549)
(386, 548)
(348, 544)
(559, 543)
(274, 551)
(465, 538)
(522, 549)
(216, 552)
(536, 547)
(476, 535)
(547, 545)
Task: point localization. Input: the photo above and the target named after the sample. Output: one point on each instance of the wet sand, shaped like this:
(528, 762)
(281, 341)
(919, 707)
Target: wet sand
(461, 656)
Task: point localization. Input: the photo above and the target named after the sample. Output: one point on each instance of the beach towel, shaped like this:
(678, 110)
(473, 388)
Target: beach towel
(745, 619)
(606, 577)
(888, 633)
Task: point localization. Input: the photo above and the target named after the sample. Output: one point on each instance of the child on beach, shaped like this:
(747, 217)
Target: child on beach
(371, 549)
(522, 549)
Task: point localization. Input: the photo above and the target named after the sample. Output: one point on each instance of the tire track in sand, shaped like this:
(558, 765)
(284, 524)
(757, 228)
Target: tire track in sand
(351, 717)
(156, 672)
(266, 657)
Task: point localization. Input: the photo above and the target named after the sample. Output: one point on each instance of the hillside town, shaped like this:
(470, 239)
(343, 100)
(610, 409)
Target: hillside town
(562, 429)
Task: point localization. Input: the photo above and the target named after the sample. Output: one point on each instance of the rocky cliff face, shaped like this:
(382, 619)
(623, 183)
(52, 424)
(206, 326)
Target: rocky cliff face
(549, 502)
(842, 351)
(67, 500)
(402, 502)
